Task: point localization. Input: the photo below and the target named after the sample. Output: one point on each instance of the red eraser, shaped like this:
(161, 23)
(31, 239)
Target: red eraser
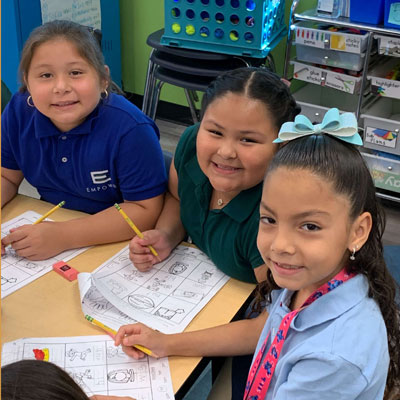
(65, 270)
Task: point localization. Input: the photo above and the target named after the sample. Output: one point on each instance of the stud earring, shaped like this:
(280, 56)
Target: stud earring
(29, 101)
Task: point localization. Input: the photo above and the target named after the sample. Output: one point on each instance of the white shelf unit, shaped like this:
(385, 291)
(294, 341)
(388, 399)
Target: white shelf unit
(374, 99)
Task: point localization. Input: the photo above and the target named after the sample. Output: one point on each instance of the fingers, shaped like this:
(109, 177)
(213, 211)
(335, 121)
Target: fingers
(126, 330)
(140, 255)
(133, 352)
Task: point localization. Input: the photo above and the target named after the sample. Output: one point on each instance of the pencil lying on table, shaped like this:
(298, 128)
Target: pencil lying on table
(135, 228)
(112, 333)
(59, 205)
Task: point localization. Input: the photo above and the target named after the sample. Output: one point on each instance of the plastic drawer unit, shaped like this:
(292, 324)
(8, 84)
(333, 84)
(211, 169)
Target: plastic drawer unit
(315, 102)
(382, 126)
(339, 59)
(385, 172)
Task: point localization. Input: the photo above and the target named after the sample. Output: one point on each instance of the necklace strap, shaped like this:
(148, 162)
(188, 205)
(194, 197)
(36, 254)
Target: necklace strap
(259, 377)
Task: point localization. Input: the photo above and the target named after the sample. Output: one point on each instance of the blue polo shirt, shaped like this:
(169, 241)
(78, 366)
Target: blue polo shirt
(114, 155)
(228, 235)
(336, 348)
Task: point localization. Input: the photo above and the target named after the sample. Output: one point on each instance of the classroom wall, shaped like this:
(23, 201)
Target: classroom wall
(139, 18)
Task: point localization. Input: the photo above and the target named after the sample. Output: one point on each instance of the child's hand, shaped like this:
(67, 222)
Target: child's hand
(140, 254)
(35, 242)
(129, 335)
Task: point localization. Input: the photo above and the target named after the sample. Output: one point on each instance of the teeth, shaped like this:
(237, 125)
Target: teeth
(225, 167)
(287, 266)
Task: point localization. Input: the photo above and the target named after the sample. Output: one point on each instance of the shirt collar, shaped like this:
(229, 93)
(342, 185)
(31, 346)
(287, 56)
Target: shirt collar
(45, 128)
(329, 306)
(239, 208)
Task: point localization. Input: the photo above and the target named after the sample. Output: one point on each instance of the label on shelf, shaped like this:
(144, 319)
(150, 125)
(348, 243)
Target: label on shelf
(325, 39)
(389, 46)
(325, 77)
(380, 137)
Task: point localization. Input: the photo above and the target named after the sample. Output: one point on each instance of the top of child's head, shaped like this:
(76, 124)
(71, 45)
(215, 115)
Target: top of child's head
(259, 84)
(38, 380)
(83, 39)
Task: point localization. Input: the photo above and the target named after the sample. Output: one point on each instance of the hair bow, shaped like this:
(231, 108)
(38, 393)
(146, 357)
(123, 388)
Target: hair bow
(343, 126)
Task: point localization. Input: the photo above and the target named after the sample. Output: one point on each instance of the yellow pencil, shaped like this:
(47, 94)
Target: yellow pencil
(112, 333)
(49, 212)
(135, 228)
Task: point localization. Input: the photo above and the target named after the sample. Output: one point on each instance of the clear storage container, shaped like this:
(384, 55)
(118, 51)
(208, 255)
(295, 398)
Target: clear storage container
(331, 58)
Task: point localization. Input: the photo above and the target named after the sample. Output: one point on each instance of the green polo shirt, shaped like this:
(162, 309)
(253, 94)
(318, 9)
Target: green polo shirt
(229, 235)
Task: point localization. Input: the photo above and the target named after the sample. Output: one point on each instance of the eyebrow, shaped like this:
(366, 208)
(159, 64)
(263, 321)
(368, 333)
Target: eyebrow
(300, 215)
(49, 65)
(241, 132)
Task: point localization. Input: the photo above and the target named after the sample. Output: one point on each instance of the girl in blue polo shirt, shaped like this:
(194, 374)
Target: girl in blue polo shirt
(215, 181)
(74, 139)
(333, 326)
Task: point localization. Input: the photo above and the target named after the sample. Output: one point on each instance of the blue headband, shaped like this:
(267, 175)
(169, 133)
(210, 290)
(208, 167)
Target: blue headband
(342, 126)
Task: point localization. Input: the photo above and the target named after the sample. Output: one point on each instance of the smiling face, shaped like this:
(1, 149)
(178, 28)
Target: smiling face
(63, 85)
(305, 229)
(234, 143)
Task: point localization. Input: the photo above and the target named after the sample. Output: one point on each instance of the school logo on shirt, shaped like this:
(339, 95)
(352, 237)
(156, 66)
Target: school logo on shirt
(100, 176)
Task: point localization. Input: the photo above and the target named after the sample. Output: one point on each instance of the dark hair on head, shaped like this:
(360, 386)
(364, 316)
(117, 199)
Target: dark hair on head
(342, 165)
(38, 380)
(82, 37)
(257, 84)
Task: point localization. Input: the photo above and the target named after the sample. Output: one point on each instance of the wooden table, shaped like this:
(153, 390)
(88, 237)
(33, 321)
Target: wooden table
(50, 306)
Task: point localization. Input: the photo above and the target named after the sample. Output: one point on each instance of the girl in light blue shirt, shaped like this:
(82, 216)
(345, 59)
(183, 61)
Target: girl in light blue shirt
(332, 330)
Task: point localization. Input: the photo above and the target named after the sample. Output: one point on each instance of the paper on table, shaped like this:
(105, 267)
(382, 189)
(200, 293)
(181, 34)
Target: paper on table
(165, 298)
(16, 271)
(97, 365)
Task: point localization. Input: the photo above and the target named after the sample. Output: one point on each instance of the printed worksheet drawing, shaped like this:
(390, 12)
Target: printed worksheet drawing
(16, 271)
(165, 298)
(97, 365)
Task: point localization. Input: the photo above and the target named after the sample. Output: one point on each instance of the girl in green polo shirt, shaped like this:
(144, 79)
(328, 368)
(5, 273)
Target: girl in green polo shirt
(215, 181)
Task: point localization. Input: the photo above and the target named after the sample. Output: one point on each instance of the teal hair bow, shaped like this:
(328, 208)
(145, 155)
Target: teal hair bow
(343, 126)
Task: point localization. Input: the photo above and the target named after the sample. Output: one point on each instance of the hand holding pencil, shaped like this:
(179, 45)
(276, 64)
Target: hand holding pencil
(36, 241)
(129, 335)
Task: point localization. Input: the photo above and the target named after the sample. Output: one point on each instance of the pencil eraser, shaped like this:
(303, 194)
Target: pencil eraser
(65, 270)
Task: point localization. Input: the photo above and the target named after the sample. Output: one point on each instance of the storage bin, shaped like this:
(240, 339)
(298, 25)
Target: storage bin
(315, 101)
(381, 124)
(239, 27)
(331, 58)
(382, 86)
(385, 172)
(325, 77)
(367, 11)
(388, 45)
(317, 35)
(392, 14)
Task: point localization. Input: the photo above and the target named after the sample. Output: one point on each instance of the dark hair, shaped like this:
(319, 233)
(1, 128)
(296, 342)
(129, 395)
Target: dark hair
(38, 380)
(82, 37)
(258, 84)
(342, 164)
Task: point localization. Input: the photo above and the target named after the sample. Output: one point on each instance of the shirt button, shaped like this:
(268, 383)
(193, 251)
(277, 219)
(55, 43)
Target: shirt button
(64, 159)
(63, 137)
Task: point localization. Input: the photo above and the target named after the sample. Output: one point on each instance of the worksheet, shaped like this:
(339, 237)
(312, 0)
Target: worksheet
(165, 298)
(16, 271)
(97, 365)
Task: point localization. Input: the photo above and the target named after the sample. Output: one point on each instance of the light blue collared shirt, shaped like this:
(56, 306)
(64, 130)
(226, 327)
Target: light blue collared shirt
(336, 348)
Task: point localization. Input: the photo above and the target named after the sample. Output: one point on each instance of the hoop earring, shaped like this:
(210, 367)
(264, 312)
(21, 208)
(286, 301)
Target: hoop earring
(105, 94)
(28, 101)
(353, 253)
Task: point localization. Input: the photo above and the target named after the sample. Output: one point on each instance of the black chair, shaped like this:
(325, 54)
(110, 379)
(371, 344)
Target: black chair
(191, 70)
